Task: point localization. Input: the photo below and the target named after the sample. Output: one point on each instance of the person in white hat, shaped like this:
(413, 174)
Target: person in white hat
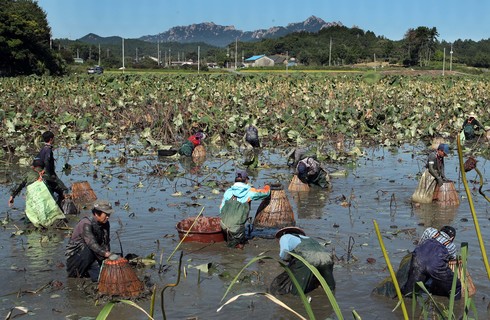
(89, 244)
(470, 125)
(293, 239)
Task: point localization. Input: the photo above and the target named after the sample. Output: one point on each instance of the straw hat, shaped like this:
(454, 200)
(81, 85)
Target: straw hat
(286, 230)
(472, 115)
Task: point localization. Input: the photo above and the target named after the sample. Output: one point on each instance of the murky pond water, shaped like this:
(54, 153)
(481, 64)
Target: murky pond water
(378, 187)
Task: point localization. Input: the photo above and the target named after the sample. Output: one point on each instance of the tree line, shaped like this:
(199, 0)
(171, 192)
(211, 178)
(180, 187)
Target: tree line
(26, 47)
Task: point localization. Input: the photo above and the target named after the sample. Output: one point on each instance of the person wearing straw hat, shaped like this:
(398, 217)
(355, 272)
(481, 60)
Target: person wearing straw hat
(235, 208)
(430, 263)
(294, 239)
(89, 243)
(470, 124)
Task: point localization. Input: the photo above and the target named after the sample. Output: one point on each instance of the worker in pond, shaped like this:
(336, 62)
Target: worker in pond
(310, 171)
(470, 125)
(293, 239)
(54, 184)
(430, 263)
(235, 208)
(432, 176)
(36, 173)
(193, 141)
(252, 147)
(89, 244)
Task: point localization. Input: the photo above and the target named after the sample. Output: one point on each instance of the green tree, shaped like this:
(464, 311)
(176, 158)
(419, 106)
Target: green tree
(420, 44)
(25, 40)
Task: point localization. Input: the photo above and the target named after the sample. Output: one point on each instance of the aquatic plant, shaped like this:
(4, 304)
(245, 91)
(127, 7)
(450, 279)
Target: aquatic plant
(301, 294)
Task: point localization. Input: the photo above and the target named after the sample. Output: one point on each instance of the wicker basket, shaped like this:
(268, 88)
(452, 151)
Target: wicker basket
(446, 195)
(82, 193)
(275, 211)
(199, 153)
(297, 185)
(117, 278)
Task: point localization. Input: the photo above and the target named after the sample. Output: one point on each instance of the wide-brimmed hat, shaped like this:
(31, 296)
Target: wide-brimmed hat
(104, 206)
(285, 230)
(471, 115)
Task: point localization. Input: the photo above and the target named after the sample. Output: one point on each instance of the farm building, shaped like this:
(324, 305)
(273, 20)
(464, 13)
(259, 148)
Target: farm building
(259, 61)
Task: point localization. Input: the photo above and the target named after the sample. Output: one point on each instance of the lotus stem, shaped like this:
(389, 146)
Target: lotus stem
(481, 185)
(392, 273)
(472, 208)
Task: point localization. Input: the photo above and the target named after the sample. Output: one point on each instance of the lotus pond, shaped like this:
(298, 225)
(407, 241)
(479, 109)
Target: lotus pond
(152, 194)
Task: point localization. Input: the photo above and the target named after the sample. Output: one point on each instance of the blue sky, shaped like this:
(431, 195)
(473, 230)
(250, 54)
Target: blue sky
(453, 19)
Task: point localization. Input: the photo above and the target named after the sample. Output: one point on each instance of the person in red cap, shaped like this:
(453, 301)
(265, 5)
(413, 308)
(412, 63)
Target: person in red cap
(235, 208)
(293, 239)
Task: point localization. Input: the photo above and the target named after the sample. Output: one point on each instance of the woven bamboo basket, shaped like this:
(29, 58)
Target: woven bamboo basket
(466, 283)
(82, 193)
(297, 185)
(446, 195)
(275, 211)
(117, 278)
(199, 152)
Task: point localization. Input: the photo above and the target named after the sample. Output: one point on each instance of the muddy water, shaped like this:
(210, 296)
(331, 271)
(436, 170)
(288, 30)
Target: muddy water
(377, 187)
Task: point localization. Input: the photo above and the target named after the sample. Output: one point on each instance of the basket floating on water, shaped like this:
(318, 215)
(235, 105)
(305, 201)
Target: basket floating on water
(206, 229)
(275, 211)
(117, 278)
(446, 195)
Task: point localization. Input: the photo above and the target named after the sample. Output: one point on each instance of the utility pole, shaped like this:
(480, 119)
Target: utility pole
(99, 54)
(236, 52)
(330, 53)
(136, 55)
(451, 58)
(198, 58)
(444, 61)
(158, 52)
(287, 60)
(123, 55)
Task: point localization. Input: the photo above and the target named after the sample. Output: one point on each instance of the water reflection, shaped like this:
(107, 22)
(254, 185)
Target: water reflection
(310, 204)
(434, 215)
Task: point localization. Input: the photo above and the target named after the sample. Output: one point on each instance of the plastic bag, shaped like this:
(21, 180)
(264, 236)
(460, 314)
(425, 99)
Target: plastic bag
(41, 209)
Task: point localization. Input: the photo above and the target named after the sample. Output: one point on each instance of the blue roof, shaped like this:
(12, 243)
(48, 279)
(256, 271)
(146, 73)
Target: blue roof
(253, 58)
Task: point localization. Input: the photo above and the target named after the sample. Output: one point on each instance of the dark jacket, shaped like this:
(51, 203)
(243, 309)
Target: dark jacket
(89, 233)
(435, 164)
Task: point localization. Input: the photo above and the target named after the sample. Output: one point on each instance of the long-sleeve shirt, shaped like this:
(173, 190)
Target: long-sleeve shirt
(47, 157)
(88, 232)
(435, 164)
(30, 177)
(245, 193)
(441, 237)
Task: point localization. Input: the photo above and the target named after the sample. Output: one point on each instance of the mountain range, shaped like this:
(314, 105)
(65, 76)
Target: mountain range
(221, 36)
